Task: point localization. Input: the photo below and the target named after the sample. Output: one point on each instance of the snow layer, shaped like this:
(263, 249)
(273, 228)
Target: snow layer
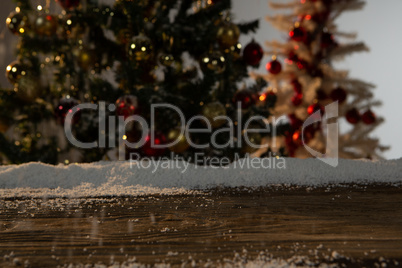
(176, 177)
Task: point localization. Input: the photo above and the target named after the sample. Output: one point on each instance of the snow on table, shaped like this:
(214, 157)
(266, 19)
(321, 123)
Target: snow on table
(179, 177)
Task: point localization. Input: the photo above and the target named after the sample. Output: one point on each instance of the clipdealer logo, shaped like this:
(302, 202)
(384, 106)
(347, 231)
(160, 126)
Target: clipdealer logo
(330, 157)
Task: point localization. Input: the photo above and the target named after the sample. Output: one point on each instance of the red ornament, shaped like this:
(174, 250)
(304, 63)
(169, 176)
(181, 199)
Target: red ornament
(245, 97)
(127, 106)
(66, 106)
(298, 34)
(297, 99)
(368, 117)
(297, 87)
(150, 150)
(314, 108)
(338, 94)
(274, 67)
(68, 4)
(353, 116)
(327, 40)
(253, 53)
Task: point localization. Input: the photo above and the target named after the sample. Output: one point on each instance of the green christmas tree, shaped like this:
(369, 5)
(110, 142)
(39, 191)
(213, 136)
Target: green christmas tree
(131, 54)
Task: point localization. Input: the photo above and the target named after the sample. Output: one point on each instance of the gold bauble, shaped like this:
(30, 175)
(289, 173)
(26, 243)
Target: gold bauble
(46, 25)
(17, 23)
(15, 71)
(140, 49)
(212, 110)
(255, 140)
(86, 58)
(228, 35)
(182, 145)
(166, 59)
(213, 61)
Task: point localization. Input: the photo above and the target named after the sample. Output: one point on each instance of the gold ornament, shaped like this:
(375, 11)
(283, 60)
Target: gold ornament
(46, 25)
(182, 145)
(228, 35)
(140, 49)
(166, 59)
(86, 59)
(212, 110)
(17, 23)
(254, 140)
(213, 61)
(15, 71)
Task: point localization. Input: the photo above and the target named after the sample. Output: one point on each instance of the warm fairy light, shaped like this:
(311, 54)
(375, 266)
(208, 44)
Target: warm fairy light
(8, 68)
(143, 49)
(124, 137)
(296, 136)
(274, 57)
(69, 22)
(296, 47)
(39, 7)
(263, 97)
(308, 17)
(21, 30)
(17, 9)
(302, 1)
(222, 59)
(132, 46)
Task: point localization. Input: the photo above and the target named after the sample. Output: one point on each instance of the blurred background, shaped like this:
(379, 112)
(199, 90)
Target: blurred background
(378, 25)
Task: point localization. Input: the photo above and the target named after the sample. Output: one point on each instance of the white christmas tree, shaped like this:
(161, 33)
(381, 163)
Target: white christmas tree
(302, 75)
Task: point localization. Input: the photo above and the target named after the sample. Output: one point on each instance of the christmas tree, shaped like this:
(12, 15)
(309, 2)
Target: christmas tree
(128, 56)
(305, 80)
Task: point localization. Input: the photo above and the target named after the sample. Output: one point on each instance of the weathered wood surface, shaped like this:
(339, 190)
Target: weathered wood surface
(352, 225)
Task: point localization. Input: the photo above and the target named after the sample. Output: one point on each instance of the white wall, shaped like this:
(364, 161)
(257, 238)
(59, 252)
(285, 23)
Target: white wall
(378, 25)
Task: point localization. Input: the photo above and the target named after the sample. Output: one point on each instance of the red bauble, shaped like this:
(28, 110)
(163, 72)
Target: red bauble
(274, 67)
(297, 87)
(150, 150)
(338, 94)
(66, 106)
(127, 106)
(298, 34)
(327, 40)
(68, 4)
(353, 116)
(245, 97)
(368, 117)
(314, 108)
(297, 99)
(253, 53)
